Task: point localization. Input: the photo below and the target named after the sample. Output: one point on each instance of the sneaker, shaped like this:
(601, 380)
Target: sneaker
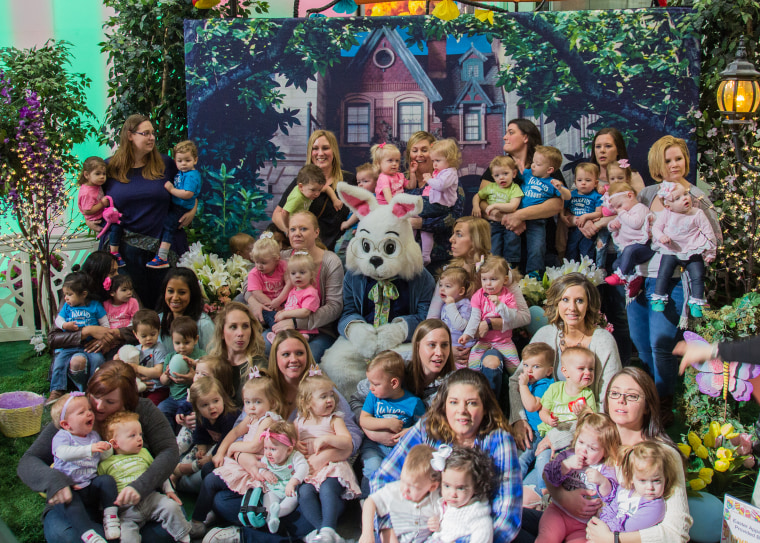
(634, 286)
(157, 263)
(55, 395)
(328, 535)
(91, 536)
(535, 275)
(615, 280)
(197, 530)
(230, 534)
(311, 537)
(696, 310)
(119, 260)
(111, 525)
(657, 305)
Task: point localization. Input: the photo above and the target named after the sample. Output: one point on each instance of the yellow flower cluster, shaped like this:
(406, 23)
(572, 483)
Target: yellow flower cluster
(723, 458)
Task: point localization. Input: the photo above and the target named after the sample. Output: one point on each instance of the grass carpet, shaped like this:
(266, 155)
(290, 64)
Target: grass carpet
(20, 508)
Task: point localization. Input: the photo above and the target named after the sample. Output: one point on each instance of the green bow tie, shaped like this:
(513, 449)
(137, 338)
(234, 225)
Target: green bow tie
(382, 293)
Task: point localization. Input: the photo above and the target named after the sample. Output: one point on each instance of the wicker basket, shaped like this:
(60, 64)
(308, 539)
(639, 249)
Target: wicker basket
(21, 413)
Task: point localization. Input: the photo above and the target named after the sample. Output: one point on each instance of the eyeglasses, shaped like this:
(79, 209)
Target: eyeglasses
(615, 395)
(147, 133)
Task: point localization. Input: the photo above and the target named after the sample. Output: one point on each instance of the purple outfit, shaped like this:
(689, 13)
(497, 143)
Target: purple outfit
(629, 512)
(82, 468)
(442, 187)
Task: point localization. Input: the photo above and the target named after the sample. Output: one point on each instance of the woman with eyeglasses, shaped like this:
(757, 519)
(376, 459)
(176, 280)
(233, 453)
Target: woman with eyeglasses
(137, 173)
(633, 405)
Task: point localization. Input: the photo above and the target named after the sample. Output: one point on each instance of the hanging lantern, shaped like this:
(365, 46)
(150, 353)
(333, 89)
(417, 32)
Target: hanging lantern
(739, 90)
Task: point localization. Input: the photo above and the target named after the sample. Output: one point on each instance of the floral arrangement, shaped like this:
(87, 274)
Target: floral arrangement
(38, 341)
(221, 280)
(535, 290)
(719, 460)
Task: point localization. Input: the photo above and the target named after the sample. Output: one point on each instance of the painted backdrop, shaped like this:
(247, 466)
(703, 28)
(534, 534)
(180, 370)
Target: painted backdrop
(257, 88)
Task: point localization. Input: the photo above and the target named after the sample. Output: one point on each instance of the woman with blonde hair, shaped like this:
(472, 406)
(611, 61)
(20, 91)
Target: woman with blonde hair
(323, 152)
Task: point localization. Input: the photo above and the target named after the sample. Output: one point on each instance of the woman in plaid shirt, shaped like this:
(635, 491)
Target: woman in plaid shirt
(465, 413)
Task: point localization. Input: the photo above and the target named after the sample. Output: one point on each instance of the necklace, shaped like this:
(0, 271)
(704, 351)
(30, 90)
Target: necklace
(563, 344)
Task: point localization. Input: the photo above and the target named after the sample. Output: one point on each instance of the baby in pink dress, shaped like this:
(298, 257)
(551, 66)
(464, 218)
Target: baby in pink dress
(387, 159)
(683, 235)
(303, 298)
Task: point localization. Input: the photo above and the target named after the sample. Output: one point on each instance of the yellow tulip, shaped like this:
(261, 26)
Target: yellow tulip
(697, 484)
(685, 449)
(726, 429)
(725, 454)
(711, 434)
(706, 474)
(701, 452)
(694, 440)
(722, 465)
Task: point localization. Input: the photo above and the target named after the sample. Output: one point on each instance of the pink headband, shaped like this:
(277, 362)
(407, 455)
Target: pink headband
(66, 405)
(613, 196)
(282, 438)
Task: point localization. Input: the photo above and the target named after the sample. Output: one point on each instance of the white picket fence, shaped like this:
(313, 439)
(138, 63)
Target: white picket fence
(17, 303)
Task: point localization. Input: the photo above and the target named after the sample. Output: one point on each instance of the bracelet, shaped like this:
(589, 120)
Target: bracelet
(617, 537)
(490, 324)
(295, 324)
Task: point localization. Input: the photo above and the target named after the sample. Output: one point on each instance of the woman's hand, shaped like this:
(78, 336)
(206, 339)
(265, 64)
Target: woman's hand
(543, 445)
(61, 497)
(590, 229)
(188, 217)
(512, 222)
(598, 532)
(582, 503)
(218, 460)
(128, 496)
(461, 354)
(692, 353)
(286, 324)
(482, 329)
(268, 476)
(523, 434)
(190, 421)
(183, 378)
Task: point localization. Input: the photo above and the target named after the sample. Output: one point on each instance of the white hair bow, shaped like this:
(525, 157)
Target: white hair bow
(438, 462)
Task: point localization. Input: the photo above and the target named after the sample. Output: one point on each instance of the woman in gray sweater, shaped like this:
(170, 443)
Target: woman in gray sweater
(113, 388)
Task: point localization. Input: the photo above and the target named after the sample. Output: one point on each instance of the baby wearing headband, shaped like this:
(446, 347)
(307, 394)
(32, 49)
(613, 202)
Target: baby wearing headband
(77, 450)
(303, 297)
(630, 232)
(284, 469)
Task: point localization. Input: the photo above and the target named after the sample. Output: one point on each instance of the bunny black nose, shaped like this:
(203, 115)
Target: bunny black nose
(376, 261)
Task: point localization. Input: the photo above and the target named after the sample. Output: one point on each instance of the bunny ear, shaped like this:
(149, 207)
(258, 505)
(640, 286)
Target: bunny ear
(361, 201)
(405, 206)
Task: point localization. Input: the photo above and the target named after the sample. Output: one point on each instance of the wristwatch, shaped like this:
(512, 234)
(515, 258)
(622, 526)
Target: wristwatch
(617, 537)
(295, 324)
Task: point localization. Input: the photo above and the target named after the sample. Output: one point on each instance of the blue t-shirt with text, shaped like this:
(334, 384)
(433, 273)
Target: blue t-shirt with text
(537, 190)
(408, 408)
(187, 181)
(580, 204)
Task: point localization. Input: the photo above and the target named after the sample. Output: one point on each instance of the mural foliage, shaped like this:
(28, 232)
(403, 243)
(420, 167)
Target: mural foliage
(257, 88)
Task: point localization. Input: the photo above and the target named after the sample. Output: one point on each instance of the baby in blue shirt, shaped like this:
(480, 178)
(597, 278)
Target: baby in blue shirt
(536, 376)
(584, 204)
(184, 191)
(538, 187)
(388, 407)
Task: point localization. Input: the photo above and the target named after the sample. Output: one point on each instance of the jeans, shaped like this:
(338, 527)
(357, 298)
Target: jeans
(322, 507)
(535, 235)
(633, 255)
(101, 492)
(114, 234)
(58, 528)
(579, 245)
(536, 476)
(696, 268)
(528, 456)
(59, 375)
(268, 318)
(171, 223)
(372, 455)
(656, 333)
(292, 527)
(505, 243)
(169, 408)
(318, 344)
(603, 239)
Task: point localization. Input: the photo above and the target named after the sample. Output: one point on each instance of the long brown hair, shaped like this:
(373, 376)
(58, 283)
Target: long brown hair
(123, 159)
(557, 290)
(437, 424)
(274, 369)
(651, 427)
(112, 375)
(335, 172)
(415, 381)
(218, 347)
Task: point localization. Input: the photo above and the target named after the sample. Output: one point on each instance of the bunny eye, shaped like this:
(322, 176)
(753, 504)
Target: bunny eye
(390, 247)
(366, 246)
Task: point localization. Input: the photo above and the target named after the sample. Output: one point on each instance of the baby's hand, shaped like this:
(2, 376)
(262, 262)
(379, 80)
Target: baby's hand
(434, 523)
(557, 184)
(476, 211)
(708, 258)
(426, 176)
(70, 326)
(573, 462)
(100, 447)
(290, 488)
(218, 460)
(268, 476)
(278, 316)
(523, 379)
(320, 444)
(451, 300)
(614, 225)
(338, 204)
(579, 221)
(490, 209)
(595, 476)
(394, 425)
(179, 419)
(464, 339)
(664, 240)
(169, 186)
(344, 226)
(104, 201)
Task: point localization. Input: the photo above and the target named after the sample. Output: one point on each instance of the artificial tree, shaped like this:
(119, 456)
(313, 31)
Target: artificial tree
(42, 115)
